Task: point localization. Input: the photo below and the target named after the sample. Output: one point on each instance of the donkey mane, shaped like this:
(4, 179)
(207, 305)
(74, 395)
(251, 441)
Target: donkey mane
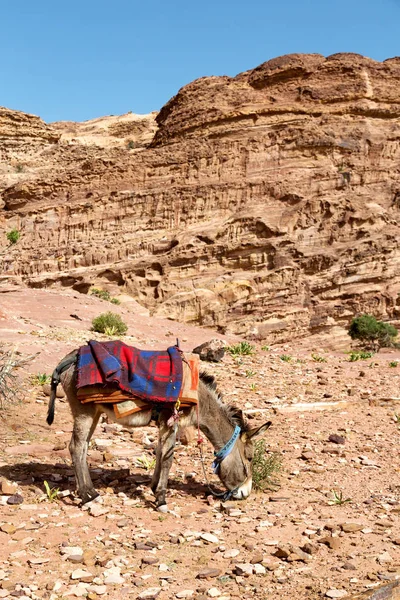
(232, 412)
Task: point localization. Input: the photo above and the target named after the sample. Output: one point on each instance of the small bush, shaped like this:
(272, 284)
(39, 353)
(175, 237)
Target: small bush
(250, 373)
(13, 236)
(286, 357)
(41, 379)
(109, 323)
(360, 355)
(115, 301)
(317, 358)
(393, 364)
(102, 294)
(242, 348)
(377, 334)
(264, 467)
(19, 168)
(265, 348)
(131, 145)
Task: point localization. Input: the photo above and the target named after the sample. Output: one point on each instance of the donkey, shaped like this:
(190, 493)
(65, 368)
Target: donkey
(222, 424)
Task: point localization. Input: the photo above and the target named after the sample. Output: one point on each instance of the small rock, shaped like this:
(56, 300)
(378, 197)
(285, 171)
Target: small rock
(333, 543)
(384, 558)
(209, 537)
(282, 552)
(244, 569)
(211, 351)
(336, 439)
(8, 488)
(351, 527)
(185, 594)
(336, 593)
(82, 575)
(149, 560)
(214, 592)
(259, 569)
(208, 572)
(149, 594)
(256, 558)
(15, 499)
(8, 528)
(231, 553)
(71, 550)
(96, 510)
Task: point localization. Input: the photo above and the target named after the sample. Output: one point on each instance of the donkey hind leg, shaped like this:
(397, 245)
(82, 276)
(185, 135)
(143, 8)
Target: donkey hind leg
(84, 426)
(165, 455)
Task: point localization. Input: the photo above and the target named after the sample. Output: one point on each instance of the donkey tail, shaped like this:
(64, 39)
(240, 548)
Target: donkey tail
(55, 380)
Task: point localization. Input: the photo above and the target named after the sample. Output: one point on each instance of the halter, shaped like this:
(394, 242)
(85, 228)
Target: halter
(226, 450)
(219, 457)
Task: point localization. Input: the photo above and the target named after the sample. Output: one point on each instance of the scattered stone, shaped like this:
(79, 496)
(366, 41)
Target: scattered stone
(209, 537)
(351, 527)
(244, 569)
(82, 575)
(231, 553)
(8, 528)
(333, 543)
(113, 576)
(256, 558)
(150, 560)
(8, 488)
(96, 510)
(15, 499)
(214, 592)
(259, 569)
(149, 594)
(71, 550)
(282, 552)
(211, 351)
(336, 439)
(185, 594)
(384, 558)
(208, 572)
(336, 593)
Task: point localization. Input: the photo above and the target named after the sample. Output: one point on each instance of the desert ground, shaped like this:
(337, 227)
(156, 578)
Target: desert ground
(329, 529)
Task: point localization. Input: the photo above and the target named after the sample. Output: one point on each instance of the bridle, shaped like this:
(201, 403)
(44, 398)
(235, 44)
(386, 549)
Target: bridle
(220, 455)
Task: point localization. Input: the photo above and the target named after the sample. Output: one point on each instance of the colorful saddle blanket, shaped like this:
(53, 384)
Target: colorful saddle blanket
(130, 378)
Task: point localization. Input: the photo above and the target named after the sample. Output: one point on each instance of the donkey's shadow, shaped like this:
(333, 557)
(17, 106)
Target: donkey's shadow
(33, 475)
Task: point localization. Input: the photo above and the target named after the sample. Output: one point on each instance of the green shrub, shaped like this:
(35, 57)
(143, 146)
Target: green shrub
(393, 364)
(359, 355)
(102, 294)
(115, 301)
(13, 236)
(242, 348)
(131, 145)
(286, 357)
(264, 467)
(109, 323)
(377, 334)
(41, 379)
(317, 358)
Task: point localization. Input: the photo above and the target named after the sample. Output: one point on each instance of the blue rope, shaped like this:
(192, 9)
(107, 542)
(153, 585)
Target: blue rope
(226, 450)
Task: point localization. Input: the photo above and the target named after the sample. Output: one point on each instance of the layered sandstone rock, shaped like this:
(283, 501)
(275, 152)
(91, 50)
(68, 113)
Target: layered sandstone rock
(266, 204)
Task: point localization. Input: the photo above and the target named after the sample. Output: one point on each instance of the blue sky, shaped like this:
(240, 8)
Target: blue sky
(79, 60)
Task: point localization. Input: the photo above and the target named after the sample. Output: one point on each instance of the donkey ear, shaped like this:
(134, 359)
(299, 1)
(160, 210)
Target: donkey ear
(247, 435)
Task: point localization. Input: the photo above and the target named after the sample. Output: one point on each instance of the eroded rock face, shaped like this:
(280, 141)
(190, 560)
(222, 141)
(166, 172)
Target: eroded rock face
(266, 204)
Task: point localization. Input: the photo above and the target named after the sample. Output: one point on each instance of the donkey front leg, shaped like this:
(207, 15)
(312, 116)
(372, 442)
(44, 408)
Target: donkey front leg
(165, 455)
(84, 426)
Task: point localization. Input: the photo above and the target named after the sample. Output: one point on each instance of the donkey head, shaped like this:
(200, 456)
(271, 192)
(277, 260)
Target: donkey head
(235, 470)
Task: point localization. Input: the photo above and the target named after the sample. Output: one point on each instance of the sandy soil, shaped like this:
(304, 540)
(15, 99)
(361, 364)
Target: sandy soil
(292, 542)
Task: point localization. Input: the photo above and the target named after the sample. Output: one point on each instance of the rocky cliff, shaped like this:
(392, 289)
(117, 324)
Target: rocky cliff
(267, 204)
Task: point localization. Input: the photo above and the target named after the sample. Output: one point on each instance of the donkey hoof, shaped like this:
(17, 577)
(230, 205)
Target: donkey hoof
(163, 508)
(89, 496)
